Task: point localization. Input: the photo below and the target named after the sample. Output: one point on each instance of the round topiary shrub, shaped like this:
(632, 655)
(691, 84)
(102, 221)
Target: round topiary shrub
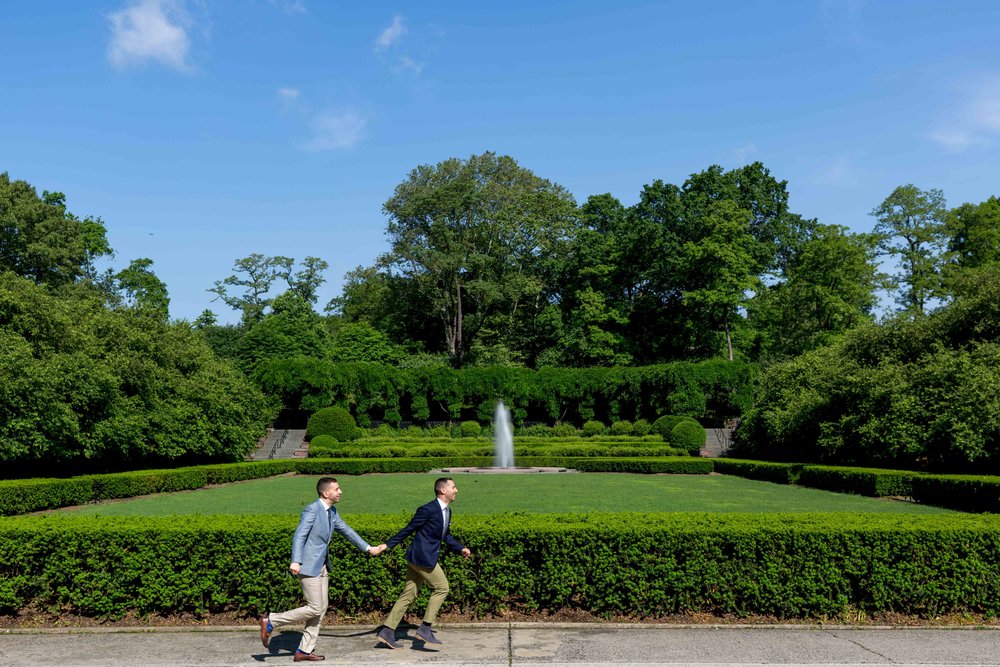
(688, 435)
(470, 429)
(334, 421)
(592, 427)
(665, 425)
(623, 427)
(324, 441)
(641, 427)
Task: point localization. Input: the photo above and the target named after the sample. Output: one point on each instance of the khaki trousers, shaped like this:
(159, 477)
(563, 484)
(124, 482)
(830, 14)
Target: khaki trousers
(415, 576)
(316, 591)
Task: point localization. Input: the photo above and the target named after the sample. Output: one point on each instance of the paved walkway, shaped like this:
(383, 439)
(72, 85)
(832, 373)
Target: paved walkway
(569, 645)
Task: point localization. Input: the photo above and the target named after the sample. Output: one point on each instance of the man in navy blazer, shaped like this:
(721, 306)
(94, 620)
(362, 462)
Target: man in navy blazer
(311, 563)
(430, 526)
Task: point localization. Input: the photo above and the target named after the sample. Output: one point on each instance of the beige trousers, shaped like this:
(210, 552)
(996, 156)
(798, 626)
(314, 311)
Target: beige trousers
(415, 576)
(316, 591)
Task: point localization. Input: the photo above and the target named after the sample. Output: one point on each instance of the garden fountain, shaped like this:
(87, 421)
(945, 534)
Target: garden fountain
(503, 449)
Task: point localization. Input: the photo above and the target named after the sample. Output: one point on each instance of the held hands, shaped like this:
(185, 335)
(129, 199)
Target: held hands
(375, 551)
(466, 553)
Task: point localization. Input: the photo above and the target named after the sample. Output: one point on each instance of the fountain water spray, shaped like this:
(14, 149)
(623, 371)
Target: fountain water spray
(503, 437)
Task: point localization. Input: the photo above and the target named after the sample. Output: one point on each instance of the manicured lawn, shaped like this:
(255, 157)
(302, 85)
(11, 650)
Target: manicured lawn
(485, 494)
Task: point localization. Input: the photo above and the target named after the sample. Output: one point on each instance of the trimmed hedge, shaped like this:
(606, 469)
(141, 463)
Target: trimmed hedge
(968, 493)
(682, 465)
(638, 565)
(862, 481)
(765, 471)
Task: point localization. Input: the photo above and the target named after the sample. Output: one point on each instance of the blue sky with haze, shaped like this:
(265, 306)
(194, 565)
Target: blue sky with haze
(205, 130)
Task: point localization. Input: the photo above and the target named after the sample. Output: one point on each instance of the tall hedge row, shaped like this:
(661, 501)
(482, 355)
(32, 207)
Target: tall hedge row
(645, 565)
(712, 388)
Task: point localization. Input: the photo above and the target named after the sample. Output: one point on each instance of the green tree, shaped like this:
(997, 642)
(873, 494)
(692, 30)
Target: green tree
(723, 266)
(292, 329)
(307, 281)
(470, 235)
(142, 291)
(255, 274)
(973, 240)
(359, 341)
(41, 240)
(827, 287)
(911, 224)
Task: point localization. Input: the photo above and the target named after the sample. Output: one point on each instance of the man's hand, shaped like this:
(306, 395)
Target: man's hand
(294, 568)
(375, 551)
(466, 553)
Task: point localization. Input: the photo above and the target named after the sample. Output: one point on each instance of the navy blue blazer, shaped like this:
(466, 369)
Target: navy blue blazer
(427, 527)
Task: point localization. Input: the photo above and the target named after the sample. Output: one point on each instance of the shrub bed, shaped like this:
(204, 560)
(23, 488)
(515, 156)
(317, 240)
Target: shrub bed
(640, 565)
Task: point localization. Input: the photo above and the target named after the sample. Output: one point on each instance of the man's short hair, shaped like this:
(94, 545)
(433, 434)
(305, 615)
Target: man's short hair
(440, 483)
(324, 483)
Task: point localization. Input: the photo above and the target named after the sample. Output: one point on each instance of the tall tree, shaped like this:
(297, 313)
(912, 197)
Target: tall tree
(142, 290)
(255, 274)
(471, 235)
(911, 224)
(41, 240)
(973, 237)
(722, 266)
(827, 287)
(306, 282)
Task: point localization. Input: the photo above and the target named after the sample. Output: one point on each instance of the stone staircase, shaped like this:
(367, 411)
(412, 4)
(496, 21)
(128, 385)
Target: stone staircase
(282, 444)
(719, 438)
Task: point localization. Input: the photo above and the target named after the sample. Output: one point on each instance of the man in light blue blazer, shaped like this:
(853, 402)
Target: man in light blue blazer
(311, 563)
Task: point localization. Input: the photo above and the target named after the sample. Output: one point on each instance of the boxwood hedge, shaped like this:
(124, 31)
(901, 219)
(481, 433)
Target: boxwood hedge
(639, 565)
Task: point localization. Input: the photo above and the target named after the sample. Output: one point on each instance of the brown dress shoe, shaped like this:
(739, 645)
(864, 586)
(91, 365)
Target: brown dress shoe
(307, 657)
(265, 631)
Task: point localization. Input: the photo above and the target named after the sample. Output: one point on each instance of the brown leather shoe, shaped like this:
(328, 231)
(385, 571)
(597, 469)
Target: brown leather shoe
(307, 657)
(265, 630)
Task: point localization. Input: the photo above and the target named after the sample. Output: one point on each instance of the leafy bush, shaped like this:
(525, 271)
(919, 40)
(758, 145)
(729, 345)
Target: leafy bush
(665, 425)
(641, 427)
(592, 427)
(623, 427)
(536, 431)
(323, 442)
(470, 429)
(968, 493)
(382, 431)
(688, 435)
(335, 421)
(564, 431)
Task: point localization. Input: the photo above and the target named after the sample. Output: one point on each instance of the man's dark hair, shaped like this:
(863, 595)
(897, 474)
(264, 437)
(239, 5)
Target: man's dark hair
(440, 483)
(324, 483)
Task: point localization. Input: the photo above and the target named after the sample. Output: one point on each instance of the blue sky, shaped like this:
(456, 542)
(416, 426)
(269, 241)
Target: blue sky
(205, 130)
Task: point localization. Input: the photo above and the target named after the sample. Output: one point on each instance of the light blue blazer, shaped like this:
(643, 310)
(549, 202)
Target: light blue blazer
(311, 542)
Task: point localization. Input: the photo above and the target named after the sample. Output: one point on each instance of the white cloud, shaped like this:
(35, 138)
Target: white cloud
(336, 131)
(408, 63)
(974, 120)
(392, 34)
(742, 154)
(290, 6)
(150, 30)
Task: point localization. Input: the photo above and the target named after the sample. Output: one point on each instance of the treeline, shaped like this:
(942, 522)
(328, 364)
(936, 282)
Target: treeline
(92, 375)
(912, 393)
(715, 388)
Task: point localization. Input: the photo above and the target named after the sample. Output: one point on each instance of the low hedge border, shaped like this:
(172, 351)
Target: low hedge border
(353, 451)
(968, 493)
(640, 565)
(861, 481)
(765, 471)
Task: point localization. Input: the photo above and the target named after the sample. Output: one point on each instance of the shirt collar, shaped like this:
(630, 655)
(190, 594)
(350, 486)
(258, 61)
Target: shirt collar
(442, 504)
(326, 503)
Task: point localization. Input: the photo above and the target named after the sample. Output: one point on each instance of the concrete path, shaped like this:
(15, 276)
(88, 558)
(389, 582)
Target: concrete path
(569, 645)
